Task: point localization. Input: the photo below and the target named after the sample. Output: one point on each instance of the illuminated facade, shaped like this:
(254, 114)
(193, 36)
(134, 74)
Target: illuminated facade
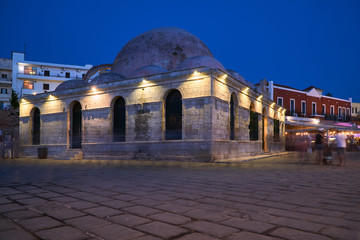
(30, 77)
(165, 99)
(310, 103)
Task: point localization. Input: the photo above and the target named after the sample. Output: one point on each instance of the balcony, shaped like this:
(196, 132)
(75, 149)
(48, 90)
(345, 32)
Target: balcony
(346, 118)
(295, 114)
(5, 97)
(55, 77)
(5, 81)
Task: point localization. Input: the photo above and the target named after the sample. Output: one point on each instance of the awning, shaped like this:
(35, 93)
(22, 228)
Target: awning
(316, 125)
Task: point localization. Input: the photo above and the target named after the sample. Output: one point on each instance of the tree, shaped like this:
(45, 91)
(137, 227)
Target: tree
(328, 94)
(14, 117)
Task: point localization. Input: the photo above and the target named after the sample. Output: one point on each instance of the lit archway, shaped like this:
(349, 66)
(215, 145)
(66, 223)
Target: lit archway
(253, 125)
(35, 131)
(119, 120)
(76, 125)
(173, 116)
(264, 129)
(233, 106)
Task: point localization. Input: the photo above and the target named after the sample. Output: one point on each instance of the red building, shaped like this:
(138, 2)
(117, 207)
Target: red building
(310, 103)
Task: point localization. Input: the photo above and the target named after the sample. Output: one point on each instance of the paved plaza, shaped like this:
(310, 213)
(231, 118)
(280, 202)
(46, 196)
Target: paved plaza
(271, 198)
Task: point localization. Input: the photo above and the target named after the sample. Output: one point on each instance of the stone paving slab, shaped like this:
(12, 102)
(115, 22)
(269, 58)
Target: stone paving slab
(65, 232)
(271, 198)
(16, 234)
(114, 232)
(39, 223)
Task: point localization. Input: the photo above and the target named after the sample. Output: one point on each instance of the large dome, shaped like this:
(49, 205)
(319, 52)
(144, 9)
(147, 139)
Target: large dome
(163, 47)
(200, 61)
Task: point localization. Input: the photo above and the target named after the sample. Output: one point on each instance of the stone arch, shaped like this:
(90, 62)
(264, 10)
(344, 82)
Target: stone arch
(35, 126)
(282, 129)
(264, 129)
(233, 113)
(118, 119)
(276, 125)
(75, 125)
(253, 124)
(95, 69)
(173, 115)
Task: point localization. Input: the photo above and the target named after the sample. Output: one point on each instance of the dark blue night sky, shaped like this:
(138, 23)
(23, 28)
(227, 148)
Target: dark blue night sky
(294, 43)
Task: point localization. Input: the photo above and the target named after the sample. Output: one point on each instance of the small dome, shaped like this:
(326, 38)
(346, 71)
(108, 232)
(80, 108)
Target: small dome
(106, 78)
(163, 47)
(70, 84)
(96, 69)
(235, 75)
(200, 61)
(147, 71)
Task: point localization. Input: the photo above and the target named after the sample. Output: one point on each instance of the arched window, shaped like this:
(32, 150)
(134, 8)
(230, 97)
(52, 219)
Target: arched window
(76, 126)
(254, 122)
(36, 127)
(119, 120)
(276, 130)
(173, 116)
(264, 129)
(232, 117)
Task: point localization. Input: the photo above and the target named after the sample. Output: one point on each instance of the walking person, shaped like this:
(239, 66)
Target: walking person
(341, 147)
(319, 147)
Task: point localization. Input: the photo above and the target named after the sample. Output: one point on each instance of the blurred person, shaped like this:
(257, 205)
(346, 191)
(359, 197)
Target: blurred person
(8, 149)
(301, 147)
(319, 148)
(341, 147)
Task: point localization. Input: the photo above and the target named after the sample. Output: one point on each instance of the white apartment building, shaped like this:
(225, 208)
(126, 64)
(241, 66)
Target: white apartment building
(5, 83)
(31, 78)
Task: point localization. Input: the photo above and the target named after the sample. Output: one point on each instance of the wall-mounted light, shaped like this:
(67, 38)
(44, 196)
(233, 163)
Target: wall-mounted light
(34, 93)
(51, 98)
(145, 83)
(223, 78)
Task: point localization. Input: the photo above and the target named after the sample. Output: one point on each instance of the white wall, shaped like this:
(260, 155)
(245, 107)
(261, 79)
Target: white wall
(56, 77)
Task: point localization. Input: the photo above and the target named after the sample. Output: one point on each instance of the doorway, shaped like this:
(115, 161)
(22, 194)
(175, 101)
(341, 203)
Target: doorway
(76, 123)
(36, 127)
(264, 130)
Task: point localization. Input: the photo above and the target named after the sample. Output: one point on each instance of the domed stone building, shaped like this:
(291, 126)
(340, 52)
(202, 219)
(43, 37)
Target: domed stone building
(165, 97)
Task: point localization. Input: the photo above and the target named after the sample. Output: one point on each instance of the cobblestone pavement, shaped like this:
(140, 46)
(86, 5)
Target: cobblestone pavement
(273, 198)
